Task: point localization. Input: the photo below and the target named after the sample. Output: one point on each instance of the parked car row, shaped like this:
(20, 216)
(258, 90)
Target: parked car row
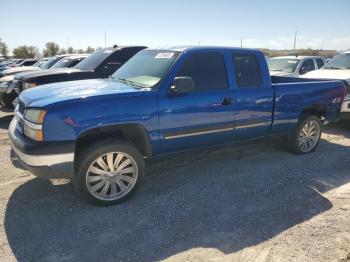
(100, 64)
(7, 92)
(130, 103)
(17, 63)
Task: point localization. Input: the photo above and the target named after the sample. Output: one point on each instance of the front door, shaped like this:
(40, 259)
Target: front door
(204, 116)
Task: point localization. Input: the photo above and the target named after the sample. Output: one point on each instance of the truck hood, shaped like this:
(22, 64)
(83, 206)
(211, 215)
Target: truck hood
(339, 74)
(19, 70)
(45, 95)
(49, 72)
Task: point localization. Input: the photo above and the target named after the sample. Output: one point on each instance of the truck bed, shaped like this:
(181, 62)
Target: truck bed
(292, 94)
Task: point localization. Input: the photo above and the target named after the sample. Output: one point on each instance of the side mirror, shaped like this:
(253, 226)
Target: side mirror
(182, 85)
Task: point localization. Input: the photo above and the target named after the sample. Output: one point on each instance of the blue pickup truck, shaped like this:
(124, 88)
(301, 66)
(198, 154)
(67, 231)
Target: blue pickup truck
(99, 132)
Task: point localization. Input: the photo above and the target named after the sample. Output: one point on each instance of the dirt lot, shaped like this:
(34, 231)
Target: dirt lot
(241, 203)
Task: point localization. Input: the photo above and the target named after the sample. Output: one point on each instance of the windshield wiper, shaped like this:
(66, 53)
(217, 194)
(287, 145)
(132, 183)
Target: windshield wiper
(124, 80)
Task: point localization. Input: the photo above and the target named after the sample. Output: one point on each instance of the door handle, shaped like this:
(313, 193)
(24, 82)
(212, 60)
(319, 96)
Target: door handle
(227, 101)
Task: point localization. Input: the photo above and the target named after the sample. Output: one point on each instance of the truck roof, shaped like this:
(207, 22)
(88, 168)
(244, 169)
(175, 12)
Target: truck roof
(204, 48)
(298, 57)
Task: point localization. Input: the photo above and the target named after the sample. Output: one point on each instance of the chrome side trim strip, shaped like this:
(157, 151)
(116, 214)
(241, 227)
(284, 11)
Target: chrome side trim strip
(198, 133)
(250, 125)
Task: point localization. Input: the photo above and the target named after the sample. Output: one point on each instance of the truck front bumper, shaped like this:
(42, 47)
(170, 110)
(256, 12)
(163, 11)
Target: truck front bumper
(43, 159)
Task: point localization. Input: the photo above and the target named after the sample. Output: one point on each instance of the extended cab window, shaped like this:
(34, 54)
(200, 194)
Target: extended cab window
(247, 70)
(207, 70)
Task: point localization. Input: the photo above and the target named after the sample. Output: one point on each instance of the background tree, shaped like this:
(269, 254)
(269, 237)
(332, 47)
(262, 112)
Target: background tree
(63, 51)
(70, 50)
(24, 52)
(51, 49)
(4, 50)
(90, 50)
(80, 51)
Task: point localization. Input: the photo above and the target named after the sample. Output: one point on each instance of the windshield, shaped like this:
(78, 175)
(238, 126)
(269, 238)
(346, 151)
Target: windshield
(49, 62)
(94, 60)
(283, 64)
(38, 63)
(339, 62)
(146, 68)
(62, 63)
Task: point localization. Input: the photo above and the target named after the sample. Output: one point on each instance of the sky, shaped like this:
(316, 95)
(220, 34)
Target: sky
(321, 24)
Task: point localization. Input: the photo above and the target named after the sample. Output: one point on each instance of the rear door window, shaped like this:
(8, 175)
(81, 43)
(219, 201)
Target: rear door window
(247, 70)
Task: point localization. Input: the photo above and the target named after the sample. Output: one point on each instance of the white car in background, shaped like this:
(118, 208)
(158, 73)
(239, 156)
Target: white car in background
(294, 66)
(338, 68)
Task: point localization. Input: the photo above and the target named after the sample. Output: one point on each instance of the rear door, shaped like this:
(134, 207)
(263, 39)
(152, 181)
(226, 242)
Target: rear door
(253, 105)
(204, 116)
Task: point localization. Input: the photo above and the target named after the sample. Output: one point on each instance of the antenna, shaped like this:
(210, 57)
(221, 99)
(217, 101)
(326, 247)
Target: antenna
(295, 39)
(241, 41)
(67, 45)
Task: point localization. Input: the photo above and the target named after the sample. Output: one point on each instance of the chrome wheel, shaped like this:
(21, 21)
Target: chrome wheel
(309, 136)
(112, 176)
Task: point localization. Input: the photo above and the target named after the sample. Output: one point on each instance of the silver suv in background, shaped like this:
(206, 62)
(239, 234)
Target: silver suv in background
(294, 66)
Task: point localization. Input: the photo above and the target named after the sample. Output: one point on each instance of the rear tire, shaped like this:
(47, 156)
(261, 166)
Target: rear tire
(108, 172)
(306, 135)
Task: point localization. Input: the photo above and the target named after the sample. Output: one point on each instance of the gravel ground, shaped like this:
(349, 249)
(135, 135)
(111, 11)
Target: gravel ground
(252, 202)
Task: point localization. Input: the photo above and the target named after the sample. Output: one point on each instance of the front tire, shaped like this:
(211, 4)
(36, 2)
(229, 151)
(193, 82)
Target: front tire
(108, 172)
(306, 136)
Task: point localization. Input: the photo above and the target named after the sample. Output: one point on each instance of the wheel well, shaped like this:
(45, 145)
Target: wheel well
(315, 110)
(134, 133)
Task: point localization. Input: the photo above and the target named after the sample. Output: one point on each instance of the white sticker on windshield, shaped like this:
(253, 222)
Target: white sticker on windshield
(164, 55)
(292, 61)
(108, 51)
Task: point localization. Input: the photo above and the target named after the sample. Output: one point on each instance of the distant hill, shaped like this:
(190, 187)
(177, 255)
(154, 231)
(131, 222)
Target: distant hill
(309, 51)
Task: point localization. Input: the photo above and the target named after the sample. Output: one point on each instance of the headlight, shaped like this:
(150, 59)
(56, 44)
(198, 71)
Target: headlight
(35, 116)
(28, 85)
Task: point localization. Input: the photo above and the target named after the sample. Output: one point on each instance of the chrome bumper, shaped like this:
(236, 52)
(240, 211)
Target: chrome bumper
(42, 165)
